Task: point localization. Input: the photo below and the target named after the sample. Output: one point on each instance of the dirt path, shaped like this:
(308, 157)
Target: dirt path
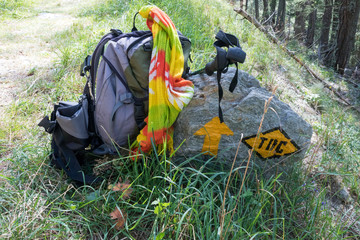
(27, 45)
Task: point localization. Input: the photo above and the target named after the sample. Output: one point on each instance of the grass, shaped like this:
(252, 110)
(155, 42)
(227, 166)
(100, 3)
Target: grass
(174, 199)
(16, 8)
(189, 199)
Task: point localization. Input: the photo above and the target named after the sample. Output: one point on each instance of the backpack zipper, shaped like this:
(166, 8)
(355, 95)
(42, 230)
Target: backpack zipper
(149, 34)
(116, 73)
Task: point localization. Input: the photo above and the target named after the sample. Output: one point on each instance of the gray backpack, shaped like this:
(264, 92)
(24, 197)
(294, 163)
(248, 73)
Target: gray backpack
(113, 115)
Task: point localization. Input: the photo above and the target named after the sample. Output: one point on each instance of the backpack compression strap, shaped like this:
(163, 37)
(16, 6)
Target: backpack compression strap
(66, 159)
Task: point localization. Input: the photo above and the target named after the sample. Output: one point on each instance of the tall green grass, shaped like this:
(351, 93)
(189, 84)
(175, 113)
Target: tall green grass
(170, 200)
(195, 198)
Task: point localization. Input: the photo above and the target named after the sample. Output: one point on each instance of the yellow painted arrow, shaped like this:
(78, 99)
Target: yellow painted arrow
(213, 131)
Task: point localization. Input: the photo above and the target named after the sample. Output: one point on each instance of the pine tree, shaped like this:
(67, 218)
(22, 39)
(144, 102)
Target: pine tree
(329, 55)
(256, 3)
(310, 33)
(348, 20)
(265, 10)
(325, 29)
(273, 9)
(280, 20)
(299, 25)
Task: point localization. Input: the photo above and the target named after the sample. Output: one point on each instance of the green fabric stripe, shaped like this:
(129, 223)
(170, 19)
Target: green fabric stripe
(167, 116)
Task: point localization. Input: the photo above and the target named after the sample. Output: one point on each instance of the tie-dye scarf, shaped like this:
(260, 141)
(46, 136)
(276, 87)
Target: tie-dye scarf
(168, 91)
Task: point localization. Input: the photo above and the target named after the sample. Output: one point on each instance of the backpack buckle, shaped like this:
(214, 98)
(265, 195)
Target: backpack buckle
(85, 66)
(47, 124)
(148, 47)
(116, 32)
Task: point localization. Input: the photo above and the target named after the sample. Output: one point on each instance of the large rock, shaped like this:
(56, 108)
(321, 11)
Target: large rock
(284, 136)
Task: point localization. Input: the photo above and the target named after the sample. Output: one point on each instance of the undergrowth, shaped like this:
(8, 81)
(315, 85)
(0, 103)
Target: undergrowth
(196, 198)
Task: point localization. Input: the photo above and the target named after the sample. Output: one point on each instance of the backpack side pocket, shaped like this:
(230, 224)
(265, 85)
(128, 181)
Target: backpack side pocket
(73, 119)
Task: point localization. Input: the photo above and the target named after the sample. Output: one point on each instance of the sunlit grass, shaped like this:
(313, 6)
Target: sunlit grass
(16, 8)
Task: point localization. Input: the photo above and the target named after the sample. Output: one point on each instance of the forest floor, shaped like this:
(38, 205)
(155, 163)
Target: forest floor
(27, 45)
(27, 48)
(28, 51)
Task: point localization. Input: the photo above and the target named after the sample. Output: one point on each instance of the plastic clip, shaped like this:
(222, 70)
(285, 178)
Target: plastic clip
(116, 32)
(85, 66)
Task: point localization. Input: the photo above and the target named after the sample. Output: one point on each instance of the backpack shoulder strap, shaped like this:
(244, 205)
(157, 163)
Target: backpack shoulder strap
(93, 64)
(99, 50)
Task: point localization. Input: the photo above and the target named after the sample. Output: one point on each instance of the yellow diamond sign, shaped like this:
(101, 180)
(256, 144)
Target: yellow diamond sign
(271, 144)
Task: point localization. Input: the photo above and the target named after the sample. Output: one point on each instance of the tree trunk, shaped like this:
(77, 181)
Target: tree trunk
(329, 58)
(273, 6)
(241, 4)
(310, 33)
(273, 9)
(325, 29)
(291, 54)
(335, 20)
(265, 10)
(348, 19)
(280, 21)
(246, 4)
(299, 25)
(256, 3)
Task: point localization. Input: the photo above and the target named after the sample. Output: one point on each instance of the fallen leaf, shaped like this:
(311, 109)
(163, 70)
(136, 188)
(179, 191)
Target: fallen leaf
(126, 193)
(120, 218)
(123, 187)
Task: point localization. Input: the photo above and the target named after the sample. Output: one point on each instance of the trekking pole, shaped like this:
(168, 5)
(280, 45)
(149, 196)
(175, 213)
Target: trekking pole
(199, 71)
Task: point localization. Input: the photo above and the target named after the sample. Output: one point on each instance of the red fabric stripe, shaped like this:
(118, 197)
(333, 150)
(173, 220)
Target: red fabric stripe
(164, 19)
(160, 64)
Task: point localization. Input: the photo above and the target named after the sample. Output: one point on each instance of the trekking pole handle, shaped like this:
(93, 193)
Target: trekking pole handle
(236, 54)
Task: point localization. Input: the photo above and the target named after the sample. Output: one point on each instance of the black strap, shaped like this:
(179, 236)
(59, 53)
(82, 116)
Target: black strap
(220, 91)
(221, 67)
(66, 159)
(224, 40)
(47, 124)
(228, 40)
(114, 70)
(234, 81)
(139, 113)
(134, 28)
